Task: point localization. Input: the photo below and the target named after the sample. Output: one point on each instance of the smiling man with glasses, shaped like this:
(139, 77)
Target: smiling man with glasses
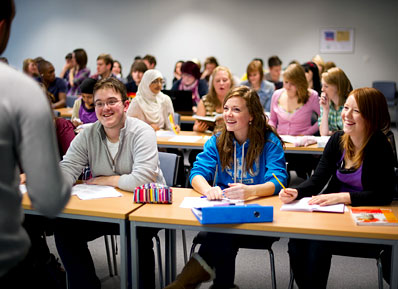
(121, 152)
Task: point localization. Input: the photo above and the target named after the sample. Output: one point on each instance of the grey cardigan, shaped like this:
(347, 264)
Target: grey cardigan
(136, 161)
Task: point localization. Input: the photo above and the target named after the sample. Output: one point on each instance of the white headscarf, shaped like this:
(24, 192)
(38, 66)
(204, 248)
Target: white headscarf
(150, 103)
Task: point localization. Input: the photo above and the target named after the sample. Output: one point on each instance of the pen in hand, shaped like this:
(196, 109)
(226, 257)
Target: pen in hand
(284, 189)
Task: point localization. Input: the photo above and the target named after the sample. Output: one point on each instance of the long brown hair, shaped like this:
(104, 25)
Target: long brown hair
(373, 108)
(212, 95)
(336, 76)
(258, 129)
(295, 74)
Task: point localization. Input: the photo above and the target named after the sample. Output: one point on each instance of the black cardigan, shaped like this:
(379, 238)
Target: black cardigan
(378, 179)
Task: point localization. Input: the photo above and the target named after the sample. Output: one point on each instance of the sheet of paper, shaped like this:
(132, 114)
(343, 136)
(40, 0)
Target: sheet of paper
(289, 138)
(165, 133)
(185, 138)
(23, 189)
(89, 192)
(302, 205)
(199, 202)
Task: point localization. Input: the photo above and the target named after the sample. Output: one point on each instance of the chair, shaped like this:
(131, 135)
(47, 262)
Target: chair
(70, 100)
(390, 136)
(177, 118)
(169, 166)
(247, 242)
(389, 89)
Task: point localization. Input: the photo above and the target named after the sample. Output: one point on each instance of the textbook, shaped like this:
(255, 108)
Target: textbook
(374, 217)
(211, 120)
(303, 206)
(231, 214)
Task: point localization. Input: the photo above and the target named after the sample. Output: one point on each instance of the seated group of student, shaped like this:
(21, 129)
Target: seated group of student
(241, 156)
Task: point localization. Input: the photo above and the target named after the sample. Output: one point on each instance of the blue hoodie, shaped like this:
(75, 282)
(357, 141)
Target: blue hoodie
(271, 160)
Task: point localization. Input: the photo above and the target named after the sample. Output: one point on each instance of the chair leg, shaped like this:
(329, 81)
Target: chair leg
(114, 253)
(380, 273)
(192, 249)
(184, 245)
(108, 257)
(160, 265)
(272, 263)
(291, 281)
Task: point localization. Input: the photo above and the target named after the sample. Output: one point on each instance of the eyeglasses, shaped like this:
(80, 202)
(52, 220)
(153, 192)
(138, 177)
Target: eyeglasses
(156, 81)
(109, 103)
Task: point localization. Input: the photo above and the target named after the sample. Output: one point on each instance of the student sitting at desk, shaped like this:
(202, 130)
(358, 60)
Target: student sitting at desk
(359, 161)
(121, 152)
(241, 159)
(190, 80)
(335, 89)
(151, 105)
(56, 87)
(221, 82)
(83, 108)
(264, 88)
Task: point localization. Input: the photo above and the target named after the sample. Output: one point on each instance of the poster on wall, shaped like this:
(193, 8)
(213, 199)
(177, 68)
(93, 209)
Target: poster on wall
(337, 40)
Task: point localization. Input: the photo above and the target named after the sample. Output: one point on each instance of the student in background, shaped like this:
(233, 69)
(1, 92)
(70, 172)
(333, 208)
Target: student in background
(241, 159)
(177, 71)
(55, 86)
(275, 70)
(293, 105)
(117, 70)
(264, 88)
(211, 103)
(121, 152)
(312, 75)
(328, 65)
(78, 72)
(190, 80)
(358, 161)
(210, 64)
(104, 67)
(29, 66)
(83, 108)
(27, 134)
(318, 60)
(260, 61)
(335, 89)
(150, 104)
(150, 61)
(68, 65)
(137, 70)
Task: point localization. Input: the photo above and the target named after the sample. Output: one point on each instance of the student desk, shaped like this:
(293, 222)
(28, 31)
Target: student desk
(177, 141)
(107, 210)
(65, 112)
(187, 119)
(305, 225)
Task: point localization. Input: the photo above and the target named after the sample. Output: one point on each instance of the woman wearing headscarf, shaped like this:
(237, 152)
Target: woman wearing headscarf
(151, 105)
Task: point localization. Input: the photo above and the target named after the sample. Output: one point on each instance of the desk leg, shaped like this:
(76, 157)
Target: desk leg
(170, 253)
(123, 254)
(134, 255)
(394, 266)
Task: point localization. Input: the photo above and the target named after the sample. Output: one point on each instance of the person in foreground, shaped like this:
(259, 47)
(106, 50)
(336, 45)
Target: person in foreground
(121, 152)
(28, 141)
(241, 159)
(359, 161)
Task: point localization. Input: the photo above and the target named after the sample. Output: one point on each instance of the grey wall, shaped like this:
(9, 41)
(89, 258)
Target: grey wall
(234, 31)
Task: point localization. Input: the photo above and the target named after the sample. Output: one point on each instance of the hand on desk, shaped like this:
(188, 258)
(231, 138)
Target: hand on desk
(104, 181)
(288, 195)
(214, 193)
(330, 199)
(238, 191)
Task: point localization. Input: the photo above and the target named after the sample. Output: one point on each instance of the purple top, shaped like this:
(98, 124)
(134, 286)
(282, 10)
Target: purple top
(80, 76)
(351, 181)
(87, 115)
(297, 122)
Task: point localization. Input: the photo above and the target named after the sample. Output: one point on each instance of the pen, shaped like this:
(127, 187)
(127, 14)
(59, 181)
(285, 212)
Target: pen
(279, 181)
(171, 119)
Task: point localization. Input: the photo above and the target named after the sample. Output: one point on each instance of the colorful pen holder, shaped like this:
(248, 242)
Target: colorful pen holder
(153, 193)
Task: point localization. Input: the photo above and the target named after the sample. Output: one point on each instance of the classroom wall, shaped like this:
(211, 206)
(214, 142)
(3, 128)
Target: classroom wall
(234, 31)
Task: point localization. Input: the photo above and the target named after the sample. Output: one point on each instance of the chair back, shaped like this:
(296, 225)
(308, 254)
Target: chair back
(391, 139)
(70, 100)
(177, 118)
(388, 88)
(169, 166)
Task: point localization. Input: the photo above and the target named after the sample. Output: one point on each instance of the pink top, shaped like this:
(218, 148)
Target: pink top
(298, 122)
